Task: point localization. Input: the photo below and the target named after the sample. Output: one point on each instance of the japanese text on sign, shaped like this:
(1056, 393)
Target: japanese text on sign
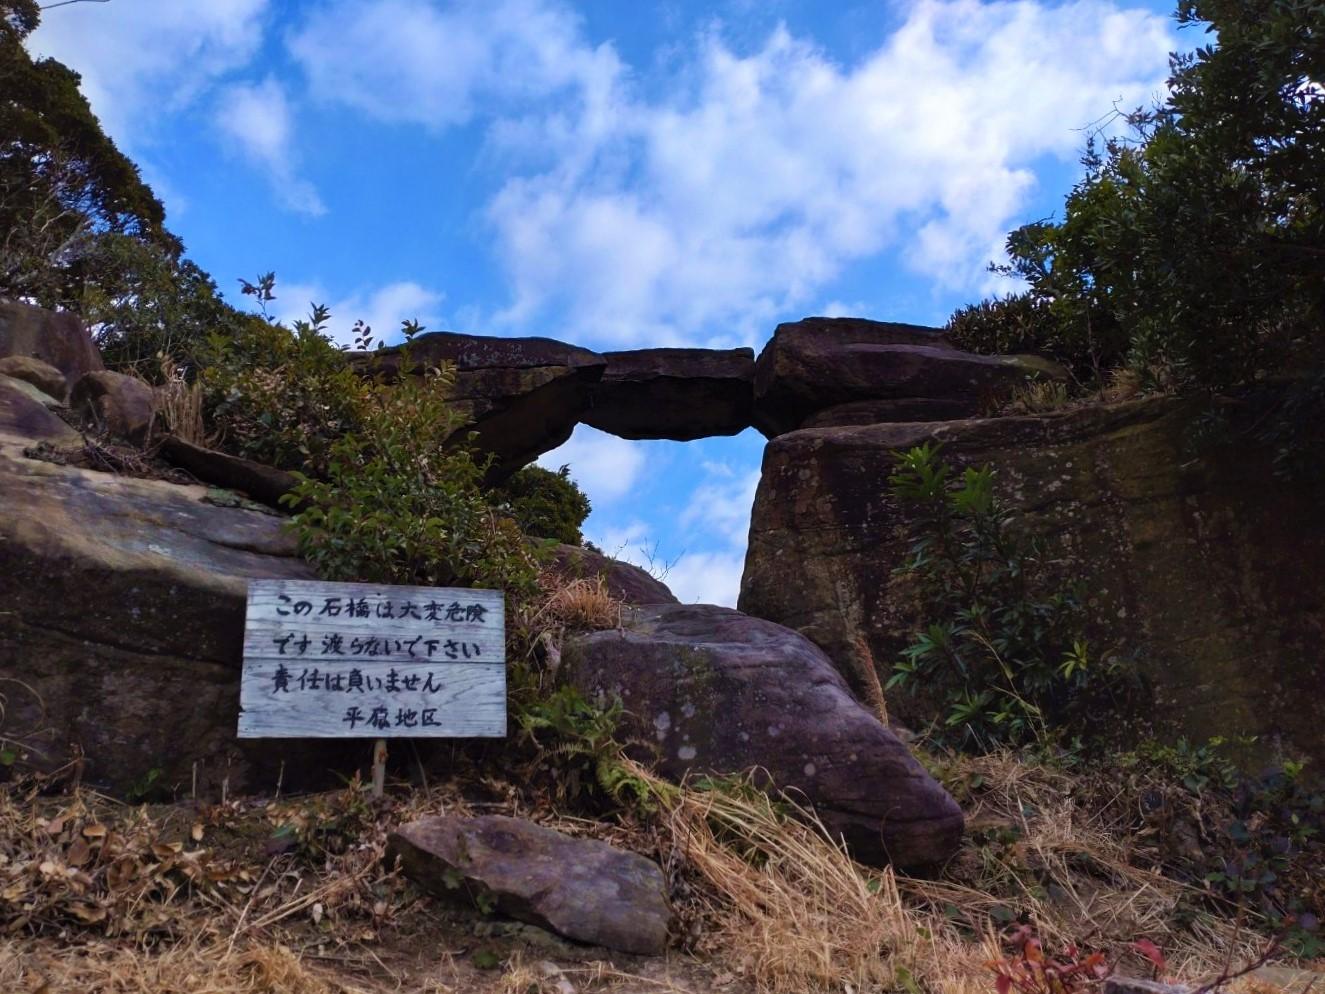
(335, 659)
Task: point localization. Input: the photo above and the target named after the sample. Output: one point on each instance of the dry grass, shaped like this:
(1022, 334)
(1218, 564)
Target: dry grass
(189, 968)
(179, 404)
(1039, 397)
(583, 603)
(101, 897)
(795, 913)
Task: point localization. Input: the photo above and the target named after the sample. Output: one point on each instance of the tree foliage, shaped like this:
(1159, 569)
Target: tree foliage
(1194, 245)
(546, 504)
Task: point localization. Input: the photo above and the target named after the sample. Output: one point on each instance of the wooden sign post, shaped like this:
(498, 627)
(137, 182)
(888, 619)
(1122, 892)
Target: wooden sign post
(339, 660)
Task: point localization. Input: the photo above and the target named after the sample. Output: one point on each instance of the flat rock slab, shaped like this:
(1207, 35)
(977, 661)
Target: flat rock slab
(681, 394)
(583, 889)
(818, 364)
(523, 396)
(26, 416)
(41, 375)
(721, 692)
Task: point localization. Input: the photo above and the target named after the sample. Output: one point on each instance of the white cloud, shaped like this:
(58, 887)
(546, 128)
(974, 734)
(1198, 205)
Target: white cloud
(720, 506)
(605, 467)
(141, 57)
(707, 578)
(429, 63)
(382, 308)
(759, 175)
(767, 174)
(257, 118)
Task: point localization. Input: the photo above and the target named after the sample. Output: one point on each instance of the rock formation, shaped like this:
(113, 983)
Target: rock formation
(720, 692)
(851, 371)
(125, 615)
(680, 394)
(583, 889)
(58, 339)
(1197, 559)
(523, 396)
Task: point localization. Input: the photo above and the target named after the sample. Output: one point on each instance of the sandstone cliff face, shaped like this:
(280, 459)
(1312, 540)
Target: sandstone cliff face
(1198, 559)
(124, 614)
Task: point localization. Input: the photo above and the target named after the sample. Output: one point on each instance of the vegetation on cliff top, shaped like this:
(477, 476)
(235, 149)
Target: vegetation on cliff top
(1193, 248)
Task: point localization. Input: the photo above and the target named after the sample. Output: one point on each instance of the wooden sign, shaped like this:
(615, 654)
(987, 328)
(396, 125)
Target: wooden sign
(355, 660)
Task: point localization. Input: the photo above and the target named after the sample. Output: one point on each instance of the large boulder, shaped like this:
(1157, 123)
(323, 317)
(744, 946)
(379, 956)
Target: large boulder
(122, 405)
(57, 338)
(626, 582)
(875, 369)
(124, 618)
(1197, 559)
(41, 375)
(720, 692)
(583, 889)
(26, 417)
(523, 396)
(680, 394)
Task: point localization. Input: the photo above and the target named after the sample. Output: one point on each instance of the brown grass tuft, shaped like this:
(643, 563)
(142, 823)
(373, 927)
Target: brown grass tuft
(179, 404)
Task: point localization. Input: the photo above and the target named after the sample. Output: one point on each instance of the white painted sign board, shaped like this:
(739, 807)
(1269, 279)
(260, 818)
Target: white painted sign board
(357, 660)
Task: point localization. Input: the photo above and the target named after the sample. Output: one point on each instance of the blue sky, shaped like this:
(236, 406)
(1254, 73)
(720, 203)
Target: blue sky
(617, 175)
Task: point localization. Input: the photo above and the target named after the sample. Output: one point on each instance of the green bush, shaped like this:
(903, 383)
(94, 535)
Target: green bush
(1195, 243)
(400, 501)
(1025, 324)
(546, 504)
(1250, 843)
(282, 396)
(1004, 644)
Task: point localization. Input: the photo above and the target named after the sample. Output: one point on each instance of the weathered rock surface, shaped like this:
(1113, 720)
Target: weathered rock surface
(41, 375)
(263, 483)
(1200, 560)
(125, 612)
(721, 692)
(624, 581)
(581, 888)
(122, 405)
(680, 394)
(524, 396)
(57, 338)
(26, 417)
(816, 364)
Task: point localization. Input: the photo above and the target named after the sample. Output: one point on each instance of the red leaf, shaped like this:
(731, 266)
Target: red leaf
(1150, 951)
(1003, 984)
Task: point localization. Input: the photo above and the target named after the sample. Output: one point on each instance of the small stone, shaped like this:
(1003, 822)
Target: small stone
(583, 889)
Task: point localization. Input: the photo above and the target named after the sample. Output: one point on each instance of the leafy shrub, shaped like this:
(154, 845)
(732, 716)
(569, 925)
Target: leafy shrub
(1195, 242)
(400, 501)
(1254, 842)
(546, 504)
(1005, 647)
(282, 396)
(1023, 323)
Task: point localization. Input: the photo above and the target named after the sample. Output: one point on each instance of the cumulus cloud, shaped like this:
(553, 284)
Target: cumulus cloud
(145, 56)
(606, 467)
(257, 119)
(435, 64)
(719, 507)
(759, 175)
(768, 173)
